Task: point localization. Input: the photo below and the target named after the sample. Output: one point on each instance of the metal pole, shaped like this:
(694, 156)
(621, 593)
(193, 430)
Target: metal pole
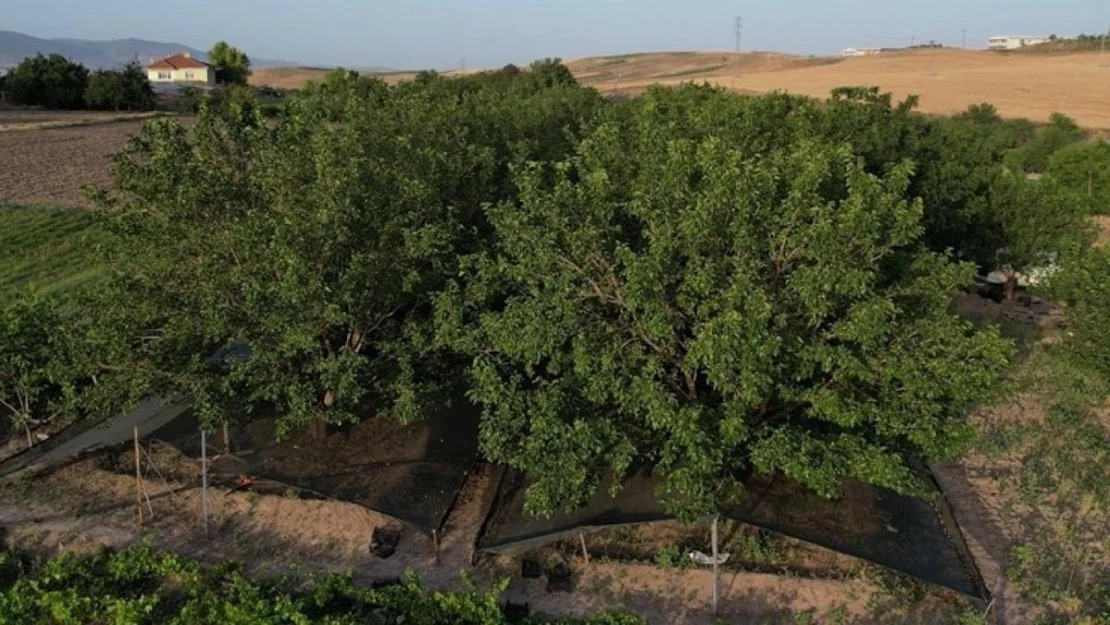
(138, 477)
(204, 477)
(716, 567)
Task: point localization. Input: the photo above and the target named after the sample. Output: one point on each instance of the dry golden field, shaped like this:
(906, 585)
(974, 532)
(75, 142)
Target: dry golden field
(296, 77)
(948, 81)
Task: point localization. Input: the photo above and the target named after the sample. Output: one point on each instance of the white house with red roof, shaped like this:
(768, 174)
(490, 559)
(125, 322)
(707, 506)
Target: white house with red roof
(181, 69)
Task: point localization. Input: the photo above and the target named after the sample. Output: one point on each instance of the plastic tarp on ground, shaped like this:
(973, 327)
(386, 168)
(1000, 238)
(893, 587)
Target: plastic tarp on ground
(916, 537)
(411, 472)
(90, 434)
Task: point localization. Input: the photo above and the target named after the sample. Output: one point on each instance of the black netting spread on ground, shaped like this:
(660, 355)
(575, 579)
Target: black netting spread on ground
(91, 434)
(901, 533)
(410, 472)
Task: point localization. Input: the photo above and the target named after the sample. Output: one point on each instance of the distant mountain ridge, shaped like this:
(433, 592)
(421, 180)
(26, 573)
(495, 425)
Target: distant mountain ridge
(14, 47)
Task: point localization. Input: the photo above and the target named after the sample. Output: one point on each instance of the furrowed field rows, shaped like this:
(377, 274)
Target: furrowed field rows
(46, 247)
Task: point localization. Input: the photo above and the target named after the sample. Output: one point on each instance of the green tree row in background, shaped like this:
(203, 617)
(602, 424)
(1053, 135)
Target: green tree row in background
(55, 82)
(693, 281)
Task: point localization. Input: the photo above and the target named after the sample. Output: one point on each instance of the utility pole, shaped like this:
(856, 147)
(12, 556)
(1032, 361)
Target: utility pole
(963, 42)
(1103, 53)
(739, 32)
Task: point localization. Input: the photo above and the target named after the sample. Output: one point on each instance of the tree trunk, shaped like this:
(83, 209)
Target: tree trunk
(318, 429)
(1009, 287)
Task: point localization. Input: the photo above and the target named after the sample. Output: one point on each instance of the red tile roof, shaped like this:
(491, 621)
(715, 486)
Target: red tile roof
(178, 61)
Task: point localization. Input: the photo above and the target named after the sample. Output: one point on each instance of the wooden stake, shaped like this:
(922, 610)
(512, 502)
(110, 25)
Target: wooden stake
(585, 552)
(435, 543)
(716, 568)
(204, 477)
(138, 477)
(227, 440)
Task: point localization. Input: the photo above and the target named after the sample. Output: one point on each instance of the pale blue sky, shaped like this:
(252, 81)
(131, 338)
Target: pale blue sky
(488, 33)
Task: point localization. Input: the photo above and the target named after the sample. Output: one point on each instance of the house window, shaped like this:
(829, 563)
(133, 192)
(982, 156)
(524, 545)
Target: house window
(163, 75)
(189, 76)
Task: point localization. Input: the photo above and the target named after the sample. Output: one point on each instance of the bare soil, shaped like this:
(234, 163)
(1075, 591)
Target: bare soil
(50, 166)
(1103, 223)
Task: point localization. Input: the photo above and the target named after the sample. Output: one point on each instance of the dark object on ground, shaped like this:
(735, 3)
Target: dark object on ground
(914, 536)
(559, 578)
(383, 541)
(388, 582)
(530, 568)
(516, 612)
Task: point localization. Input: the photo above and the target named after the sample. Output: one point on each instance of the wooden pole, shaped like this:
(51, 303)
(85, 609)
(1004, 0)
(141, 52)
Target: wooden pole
(227, 440)
(204, 477)
(716, 568)
(585, 552)
(435, 543)
(138, 477)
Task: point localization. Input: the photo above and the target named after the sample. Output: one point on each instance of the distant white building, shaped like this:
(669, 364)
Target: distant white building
(1007, 42)
(849, 52)
(181, 69)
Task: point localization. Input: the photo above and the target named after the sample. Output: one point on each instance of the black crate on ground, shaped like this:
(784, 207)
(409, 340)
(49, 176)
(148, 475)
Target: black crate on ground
(383, 541)
(516, 612)
(530, 568)
(559, 578)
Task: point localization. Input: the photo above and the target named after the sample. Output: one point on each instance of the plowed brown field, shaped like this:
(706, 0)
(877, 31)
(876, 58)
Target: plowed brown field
(50, 166)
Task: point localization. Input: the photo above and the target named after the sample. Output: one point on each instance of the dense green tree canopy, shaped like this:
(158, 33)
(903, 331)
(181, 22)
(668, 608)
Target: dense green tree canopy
(233, 66)
(52, 81)
(124, 89)
(38, 362)
(314, 243)
(702, 309)
(695, 282)
(1084, 169)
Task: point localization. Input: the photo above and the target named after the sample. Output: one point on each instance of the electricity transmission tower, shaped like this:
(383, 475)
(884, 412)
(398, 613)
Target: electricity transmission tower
(963, 41)
(739, 32)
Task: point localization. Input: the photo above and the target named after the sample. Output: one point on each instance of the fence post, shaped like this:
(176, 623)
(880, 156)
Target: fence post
(138, 477)
(204, 477)
(716, 567)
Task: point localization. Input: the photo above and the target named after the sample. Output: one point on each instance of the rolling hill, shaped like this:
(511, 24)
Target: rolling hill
(14, 47)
